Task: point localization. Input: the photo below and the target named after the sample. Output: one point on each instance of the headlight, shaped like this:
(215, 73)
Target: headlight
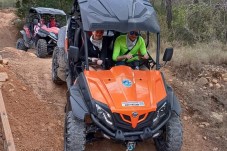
(161, 112)
(104, 115)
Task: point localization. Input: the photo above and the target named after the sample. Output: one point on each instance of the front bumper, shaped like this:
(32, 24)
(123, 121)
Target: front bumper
(121, 135)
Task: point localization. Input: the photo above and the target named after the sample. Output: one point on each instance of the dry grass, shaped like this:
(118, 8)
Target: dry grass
(212, 53)
(188, 61)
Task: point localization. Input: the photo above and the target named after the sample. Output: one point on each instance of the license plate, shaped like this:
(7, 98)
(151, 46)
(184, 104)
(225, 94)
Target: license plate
(140, 103)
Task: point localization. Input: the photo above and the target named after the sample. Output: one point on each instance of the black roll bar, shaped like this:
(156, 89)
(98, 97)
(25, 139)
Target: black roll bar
(158, 52)
(86, 51)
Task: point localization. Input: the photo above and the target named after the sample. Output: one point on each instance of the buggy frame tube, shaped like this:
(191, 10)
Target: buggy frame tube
(147, 44)
(86, 51)
(158, 52)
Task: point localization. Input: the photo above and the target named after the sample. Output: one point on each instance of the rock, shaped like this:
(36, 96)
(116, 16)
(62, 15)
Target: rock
(23, 88)
(202, 126)
(191, 91)
(218, 86)
(208, 78)
(225, 79)
(204, 137)
(185, 118)
(11, 90)
(224, 75)
(3, 76)
(5, 62)
(217, 116)
(12, 85)
(202, 81)
(215, 149)
(205, 124)
(215, 81)
(211, 85)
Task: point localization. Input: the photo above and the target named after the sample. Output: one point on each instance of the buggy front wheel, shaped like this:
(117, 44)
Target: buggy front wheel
(41, 48)
(20, 44)
(75, 137)
(172, 137)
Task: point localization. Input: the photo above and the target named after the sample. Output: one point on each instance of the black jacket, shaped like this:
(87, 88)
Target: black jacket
(94, 51)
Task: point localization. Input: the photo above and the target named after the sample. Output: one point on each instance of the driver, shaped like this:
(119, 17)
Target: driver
(128, 47)
(52, 22)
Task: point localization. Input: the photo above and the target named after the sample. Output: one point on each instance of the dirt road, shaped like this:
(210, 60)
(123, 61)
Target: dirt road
(35, 105)
(36, 108)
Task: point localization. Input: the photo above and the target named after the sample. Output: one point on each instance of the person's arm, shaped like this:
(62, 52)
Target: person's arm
(143, 49)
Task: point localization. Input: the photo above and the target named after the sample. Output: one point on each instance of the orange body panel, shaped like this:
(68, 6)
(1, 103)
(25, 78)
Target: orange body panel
(107, 86)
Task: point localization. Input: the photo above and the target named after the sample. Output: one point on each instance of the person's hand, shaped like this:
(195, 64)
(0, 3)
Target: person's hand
(146, 56)
(128, 56)
(94, 60)
(99, 62)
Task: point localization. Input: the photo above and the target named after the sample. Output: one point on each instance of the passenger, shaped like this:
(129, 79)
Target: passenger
(41, 24)
(52, 22)
(127, 48)
(98, 46)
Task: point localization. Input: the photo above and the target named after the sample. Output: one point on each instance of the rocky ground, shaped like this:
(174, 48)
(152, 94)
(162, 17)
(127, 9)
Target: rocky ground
(35, 106)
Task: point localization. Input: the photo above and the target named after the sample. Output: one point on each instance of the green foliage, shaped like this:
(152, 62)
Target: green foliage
(179, 19)
(201, 22)
(58, 4)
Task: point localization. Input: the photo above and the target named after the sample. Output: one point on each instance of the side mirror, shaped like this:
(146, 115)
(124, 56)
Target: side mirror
(168, 54)
(73, 54)
(35, 21)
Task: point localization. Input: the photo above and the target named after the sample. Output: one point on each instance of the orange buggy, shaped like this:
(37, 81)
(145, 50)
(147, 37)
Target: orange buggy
(121, 103)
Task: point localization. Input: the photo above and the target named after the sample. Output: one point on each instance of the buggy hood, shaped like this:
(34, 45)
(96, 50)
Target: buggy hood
(119, 15)
(125, 90)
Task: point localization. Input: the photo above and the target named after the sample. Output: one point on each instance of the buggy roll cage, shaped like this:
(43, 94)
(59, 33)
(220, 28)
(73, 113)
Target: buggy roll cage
(45, 11)
(118, 15)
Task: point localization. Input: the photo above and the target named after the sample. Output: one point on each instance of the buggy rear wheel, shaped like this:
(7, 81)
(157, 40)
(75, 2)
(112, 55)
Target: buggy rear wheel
(41, 48)
(75, 137)
(20, 44)
(56, 68)
(172, 137)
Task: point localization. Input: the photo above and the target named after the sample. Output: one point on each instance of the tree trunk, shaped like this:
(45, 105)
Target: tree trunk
(169, 13)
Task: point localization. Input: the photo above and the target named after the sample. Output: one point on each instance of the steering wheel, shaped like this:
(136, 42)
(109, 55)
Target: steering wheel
(149, 63)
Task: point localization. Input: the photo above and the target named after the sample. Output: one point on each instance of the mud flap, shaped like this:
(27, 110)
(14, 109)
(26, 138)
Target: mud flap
(61, 71)
(79, 108)
(61, 37)
(175, 105)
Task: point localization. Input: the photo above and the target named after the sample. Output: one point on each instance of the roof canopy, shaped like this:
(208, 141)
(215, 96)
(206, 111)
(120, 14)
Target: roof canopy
(119, 15)
(44, 10)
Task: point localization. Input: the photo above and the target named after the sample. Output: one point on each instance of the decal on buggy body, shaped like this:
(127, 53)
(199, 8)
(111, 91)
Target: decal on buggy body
(127, 83)
(134, 103)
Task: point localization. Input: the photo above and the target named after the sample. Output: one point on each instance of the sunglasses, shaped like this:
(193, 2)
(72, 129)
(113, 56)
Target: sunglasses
(134, 33)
